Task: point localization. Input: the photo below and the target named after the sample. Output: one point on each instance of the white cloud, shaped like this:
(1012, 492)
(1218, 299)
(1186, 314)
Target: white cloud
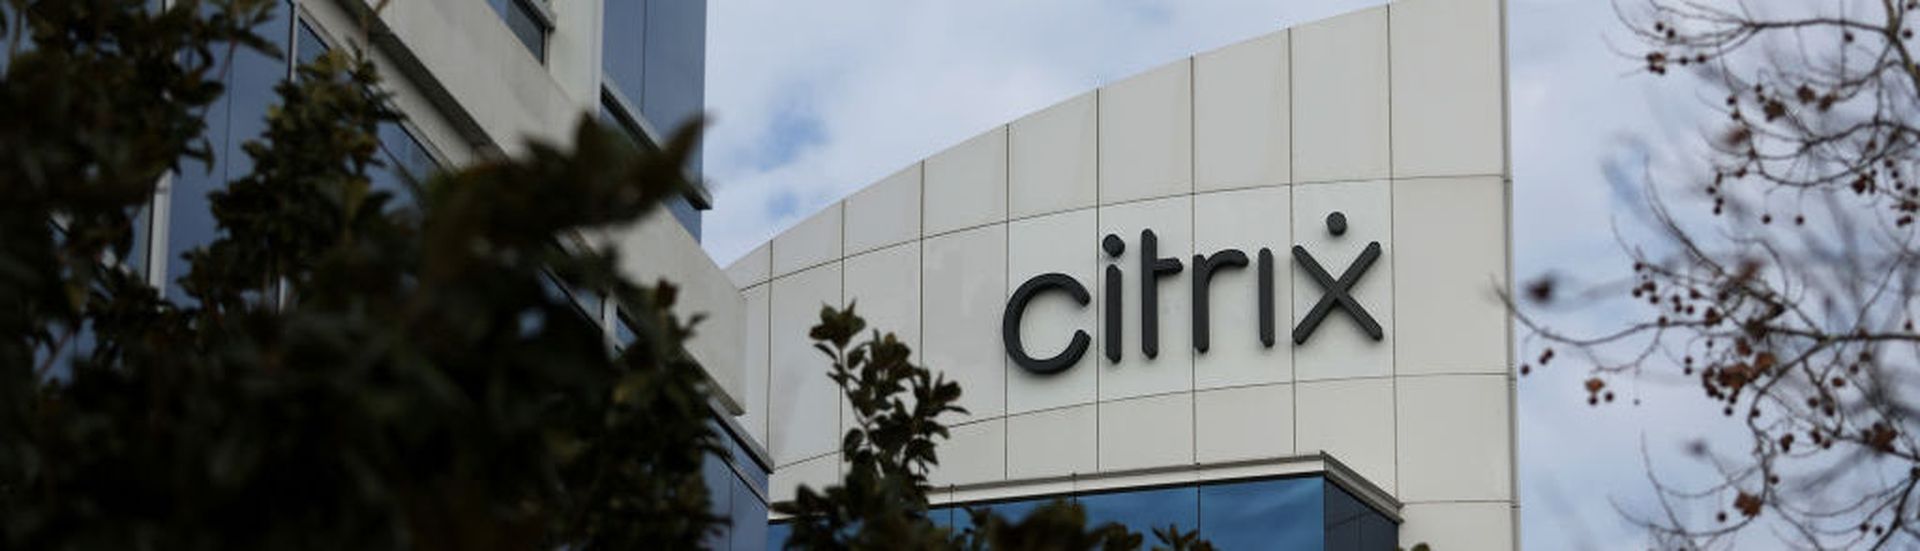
(879, 85)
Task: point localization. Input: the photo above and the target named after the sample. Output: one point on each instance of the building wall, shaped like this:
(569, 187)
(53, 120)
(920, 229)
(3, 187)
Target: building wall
(471, 90)
(1393, 116)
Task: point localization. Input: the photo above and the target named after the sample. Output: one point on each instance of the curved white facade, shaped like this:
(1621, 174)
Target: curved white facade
(1393, 117)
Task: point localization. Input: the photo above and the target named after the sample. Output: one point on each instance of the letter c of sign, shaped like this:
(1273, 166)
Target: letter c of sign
(1017, 307)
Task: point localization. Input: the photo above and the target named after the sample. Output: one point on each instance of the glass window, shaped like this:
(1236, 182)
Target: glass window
(1143, 510)
(136, 259)
(1353, 526)
(676, 52)
(685, 213)
(1302, 513)
(622, 31)
(681, 207)
(777, 534)
(404, 161)
(307, 44)
(623, 334)
(749, 518)
(9, 26)
(238, 116)
(1275, 514)
(525, 23)
(720, 481)
(1012, 511)
(406, 155)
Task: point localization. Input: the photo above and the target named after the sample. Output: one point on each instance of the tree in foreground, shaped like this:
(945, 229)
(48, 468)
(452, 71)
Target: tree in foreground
(358, 370)
(1779, 275)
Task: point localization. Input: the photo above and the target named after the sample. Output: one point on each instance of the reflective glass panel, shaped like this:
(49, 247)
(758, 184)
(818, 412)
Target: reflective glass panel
(1264, 514)
(777, 534)
(676, 53)
(749, 518)
(719, 481)
(238, 116)
(684, 213)
(1353, 526)
(623, 24)
(680, 207)
(525, 25)
(1143, 510)
(1012, 511)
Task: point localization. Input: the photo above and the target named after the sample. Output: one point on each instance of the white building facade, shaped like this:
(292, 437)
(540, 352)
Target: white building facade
(1254, 292)
(1264, 273)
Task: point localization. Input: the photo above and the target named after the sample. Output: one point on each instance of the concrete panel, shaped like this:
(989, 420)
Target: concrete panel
(1447, 89)
(1339, 347)
(1146, 135)
(1056, 442)
(1352, 420)
(967, 184)
(1171, 370)
(1248, 221)
(1458, 525)
(757, 329)
(753, 269)
(1340, 98)
(1242, 127)
(814, 241)
(1156, 431)
(1454, 444)
(1065, 243)
(885, 213)
(1251, 422)
(1052, 162)
(657, 248)
(964, 283)
(816, 473)
(1452, 263)
(884, 287)
(465, 48)
(974, 453)
(805, 411)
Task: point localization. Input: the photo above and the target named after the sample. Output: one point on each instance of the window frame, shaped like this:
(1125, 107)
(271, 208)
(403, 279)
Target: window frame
(538, 13)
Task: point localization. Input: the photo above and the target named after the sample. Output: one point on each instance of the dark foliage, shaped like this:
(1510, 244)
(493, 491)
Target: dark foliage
(355, 370)
(351, 373)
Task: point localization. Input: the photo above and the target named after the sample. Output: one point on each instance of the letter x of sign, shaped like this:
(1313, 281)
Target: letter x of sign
(1339, 293)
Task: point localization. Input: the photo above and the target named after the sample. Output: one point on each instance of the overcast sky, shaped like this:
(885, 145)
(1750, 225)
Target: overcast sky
(814, 100)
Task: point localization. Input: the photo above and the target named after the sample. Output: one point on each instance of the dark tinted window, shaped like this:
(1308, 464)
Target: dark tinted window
(749, 519)
(1353, 526)
(9, 26)
(612, 114)
(688, 216)
(531, 29)
(676, 52)
(720, 483)
(777, 536)
(1272, 514)
(1013, 511)
(1301, 513)
(623, 26)
(1143, 510)
(404, 161)
(238, 116)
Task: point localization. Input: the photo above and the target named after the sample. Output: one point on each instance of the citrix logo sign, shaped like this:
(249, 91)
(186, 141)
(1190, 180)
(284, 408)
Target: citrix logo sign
(1338, 293)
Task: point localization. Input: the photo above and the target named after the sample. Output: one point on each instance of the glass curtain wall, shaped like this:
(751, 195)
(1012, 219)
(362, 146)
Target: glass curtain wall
(240, 115)
(521, 18)
(1299, 513)
(653, 63)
